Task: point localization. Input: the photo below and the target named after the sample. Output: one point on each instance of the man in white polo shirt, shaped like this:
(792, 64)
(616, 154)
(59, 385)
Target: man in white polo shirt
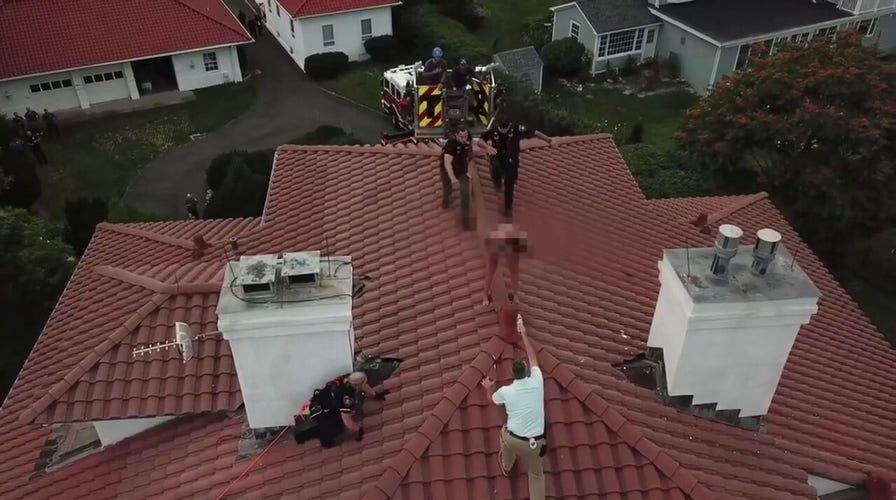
(523, 436)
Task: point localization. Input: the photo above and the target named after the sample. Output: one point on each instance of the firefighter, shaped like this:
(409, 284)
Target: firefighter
(434, 69)
(505, 139)
(461, 76)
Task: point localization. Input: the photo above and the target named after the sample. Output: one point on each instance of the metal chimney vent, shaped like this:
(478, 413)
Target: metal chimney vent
(764, 251)
(726, 248)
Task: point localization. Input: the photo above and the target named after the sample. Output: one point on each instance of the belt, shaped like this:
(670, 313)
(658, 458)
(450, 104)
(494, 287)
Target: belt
(525, 438)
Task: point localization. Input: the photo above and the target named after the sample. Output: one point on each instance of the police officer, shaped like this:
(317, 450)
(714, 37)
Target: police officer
(456, 155)
(192, 206)
(505, 138)
(33, 139)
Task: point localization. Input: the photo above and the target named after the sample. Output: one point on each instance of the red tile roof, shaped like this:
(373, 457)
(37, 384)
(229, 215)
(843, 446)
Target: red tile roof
(308, 8)
(43, 36)
(588, 295)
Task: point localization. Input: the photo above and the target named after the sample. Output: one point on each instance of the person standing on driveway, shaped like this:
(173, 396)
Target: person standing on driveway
(524, 434)
(51, 124)
(505, 138)
(192, 206)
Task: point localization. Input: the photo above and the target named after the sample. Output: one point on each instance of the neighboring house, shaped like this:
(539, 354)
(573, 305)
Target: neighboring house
(604, 293)
(712, 39)
(523, 63)
(611, 30)
(59, 54)
(306, 27)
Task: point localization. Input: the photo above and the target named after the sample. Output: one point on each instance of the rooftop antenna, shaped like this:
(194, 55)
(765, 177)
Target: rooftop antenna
(183, 341)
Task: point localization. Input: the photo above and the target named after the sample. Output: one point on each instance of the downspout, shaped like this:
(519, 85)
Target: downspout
(715, 67)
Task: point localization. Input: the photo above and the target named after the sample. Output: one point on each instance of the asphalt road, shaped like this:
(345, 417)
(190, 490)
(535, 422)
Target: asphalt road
(289, 104)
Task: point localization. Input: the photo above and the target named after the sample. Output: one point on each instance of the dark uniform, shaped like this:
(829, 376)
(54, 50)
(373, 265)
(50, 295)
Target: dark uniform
(433, 71)
(505, 138)
(461, 76)
(34, 143)
(461, 153)
(192, 207)
(51, 124)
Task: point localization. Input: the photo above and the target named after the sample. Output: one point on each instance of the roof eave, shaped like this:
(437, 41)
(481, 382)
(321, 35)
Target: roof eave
(296, 15)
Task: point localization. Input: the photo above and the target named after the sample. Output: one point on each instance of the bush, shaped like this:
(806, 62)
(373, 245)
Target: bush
(259, 162)
(436, 30)
(662, 174)
(124, 213)
(564, 58)
(672, 66)
(22, 185)
(81, 217)
(637, 133)
(462, 11)
(537, 31)
(630, 68)
(326, 64)
(327, 135)
(382, 48)
(874, 260)
(242, 194)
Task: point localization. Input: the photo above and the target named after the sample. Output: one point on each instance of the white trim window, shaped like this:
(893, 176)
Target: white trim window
(829, 32)
(103, 77)
(328, 35)
(51, 85)
(620, 43)
(800, 37)
(366, 29)
(292, 27)
(651, 33)
(743, 55)
(867, 27)
(210, 61)
(574, 28)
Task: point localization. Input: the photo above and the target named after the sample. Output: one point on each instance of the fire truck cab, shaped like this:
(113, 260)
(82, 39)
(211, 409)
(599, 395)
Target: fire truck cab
(433, 111)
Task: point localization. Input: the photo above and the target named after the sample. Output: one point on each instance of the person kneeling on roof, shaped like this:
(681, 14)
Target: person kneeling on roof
(351, 401)
(335, 408)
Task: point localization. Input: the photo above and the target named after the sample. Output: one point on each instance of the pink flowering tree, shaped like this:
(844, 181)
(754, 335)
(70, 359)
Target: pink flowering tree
(815, 125)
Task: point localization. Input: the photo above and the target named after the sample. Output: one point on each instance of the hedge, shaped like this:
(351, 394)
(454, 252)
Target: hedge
(326, 64)
(436, 30)
(382, 48)
(662, 174)
(564, 58)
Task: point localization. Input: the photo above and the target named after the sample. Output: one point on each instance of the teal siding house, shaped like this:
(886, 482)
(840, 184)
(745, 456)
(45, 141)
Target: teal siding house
(713, 38)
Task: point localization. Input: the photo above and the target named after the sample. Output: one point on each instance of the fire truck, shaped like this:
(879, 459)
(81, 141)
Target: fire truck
(424, 112)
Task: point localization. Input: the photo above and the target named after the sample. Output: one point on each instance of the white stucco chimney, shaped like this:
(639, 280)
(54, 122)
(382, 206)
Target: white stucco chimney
(288, 319)
(726, 335)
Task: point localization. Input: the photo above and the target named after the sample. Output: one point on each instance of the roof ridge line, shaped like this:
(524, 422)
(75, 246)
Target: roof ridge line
(74, 375)
(746, 201)
(133, 231)
(416, 444)
(156, 285)
(241, 32)
(362, 148)
(627, 431)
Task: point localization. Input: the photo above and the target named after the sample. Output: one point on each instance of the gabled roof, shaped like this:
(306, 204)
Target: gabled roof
(614, 15)
(729, 20)
(519, 61)
(308, 8)
(43, 36)
(588, 295)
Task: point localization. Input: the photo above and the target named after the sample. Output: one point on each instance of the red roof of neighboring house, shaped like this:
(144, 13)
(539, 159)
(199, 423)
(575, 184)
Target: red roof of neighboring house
(308, 8)
(589, 290)
(43, 36)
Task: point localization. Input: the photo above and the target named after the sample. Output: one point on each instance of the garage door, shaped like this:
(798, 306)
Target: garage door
(52, 94)
(106, 86)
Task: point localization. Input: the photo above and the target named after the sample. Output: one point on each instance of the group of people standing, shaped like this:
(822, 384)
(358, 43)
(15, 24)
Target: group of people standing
(30, 129)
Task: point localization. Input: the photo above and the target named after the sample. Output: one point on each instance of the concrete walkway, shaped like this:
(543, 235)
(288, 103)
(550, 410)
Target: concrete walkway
(289, 104)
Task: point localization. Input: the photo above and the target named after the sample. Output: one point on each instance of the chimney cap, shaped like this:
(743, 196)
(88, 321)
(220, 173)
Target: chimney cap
(731, 231)
(769, 235)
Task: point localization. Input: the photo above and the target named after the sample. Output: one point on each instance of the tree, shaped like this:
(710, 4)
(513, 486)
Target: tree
(242, 194)
(35, 268)
(21, 185)
(81, 217)
(537, 31)
(815, 126)
(564, 58)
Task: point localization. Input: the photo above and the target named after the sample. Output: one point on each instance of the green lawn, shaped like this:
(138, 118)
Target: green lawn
(361, 83)
(100, 157)
(662, 114)
(503, 25)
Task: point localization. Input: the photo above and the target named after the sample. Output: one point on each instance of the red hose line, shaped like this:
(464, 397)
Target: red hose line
(257, 459)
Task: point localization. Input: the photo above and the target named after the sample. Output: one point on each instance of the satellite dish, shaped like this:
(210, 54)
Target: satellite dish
(183, 335)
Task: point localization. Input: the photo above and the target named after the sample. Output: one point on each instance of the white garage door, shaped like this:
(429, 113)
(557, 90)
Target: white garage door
(106, 86)
(52, 94)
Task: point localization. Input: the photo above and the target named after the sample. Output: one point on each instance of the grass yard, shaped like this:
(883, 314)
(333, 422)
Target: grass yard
(100, 157)
(505, 20)
(662, 114)
(361, 83)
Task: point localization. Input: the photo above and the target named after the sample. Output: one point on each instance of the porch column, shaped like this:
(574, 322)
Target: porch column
(78, 83)
(132, 82)
(238, 76)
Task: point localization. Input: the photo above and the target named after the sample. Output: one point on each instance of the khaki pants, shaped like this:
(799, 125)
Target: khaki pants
(512, 448)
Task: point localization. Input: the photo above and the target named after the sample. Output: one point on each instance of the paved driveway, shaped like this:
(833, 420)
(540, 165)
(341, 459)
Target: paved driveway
(289, 104)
